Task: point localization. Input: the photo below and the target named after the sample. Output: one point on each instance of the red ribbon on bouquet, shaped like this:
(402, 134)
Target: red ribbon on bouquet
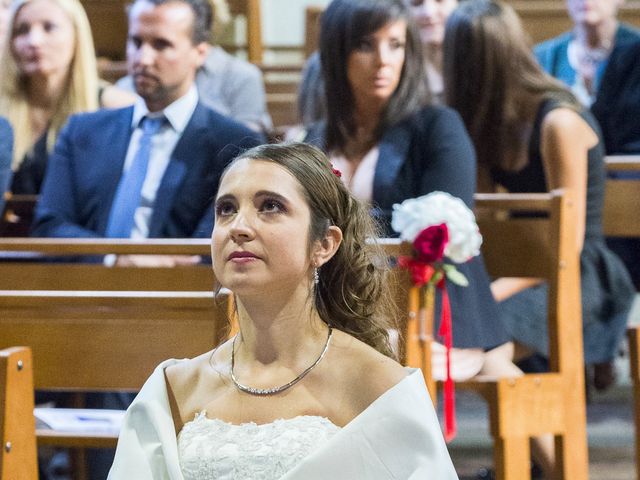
(445, 332)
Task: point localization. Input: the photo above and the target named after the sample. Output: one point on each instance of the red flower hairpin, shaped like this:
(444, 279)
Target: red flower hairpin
(336, 172)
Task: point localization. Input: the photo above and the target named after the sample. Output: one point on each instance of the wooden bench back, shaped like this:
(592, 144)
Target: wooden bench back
(621, 219)
(541, 245)
(281, 84)
(24, 266)
(17, 424)
(93, 341)
(620, 216)
(96, 328)
(541, 248)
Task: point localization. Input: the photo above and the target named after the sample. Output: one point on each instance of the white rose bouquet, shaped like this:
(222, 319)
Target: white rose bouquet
(415, 214)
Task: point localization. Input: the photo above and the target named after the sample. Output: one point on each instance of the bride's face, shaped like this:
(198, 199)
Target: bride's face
(260, 240)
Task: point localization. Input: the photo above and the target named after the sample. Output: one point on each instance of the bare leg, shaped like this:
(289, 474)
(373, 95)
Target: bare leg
(521, 351)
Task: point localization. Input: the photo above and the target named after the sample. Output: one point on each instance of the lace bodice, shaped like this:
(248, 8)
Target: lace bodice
(211, 449)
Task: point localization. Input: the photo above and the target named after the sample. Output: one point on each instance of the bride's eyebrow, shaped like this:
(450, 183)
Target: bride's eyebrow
(226, 196)
(274, 195)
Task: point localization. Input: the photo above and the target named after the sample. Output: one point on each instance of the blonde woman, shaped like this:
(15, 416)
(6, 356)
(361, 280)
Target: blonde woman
(49, 73)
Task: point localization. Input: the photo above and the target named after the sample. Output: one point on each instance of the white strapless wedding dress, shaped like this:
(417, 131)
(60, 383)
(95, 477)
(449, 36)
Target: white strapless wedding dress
(210, 449)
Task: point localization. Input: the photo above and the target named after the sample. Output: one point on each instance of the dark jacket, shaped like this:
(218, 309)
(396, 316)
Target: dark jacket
(87, 163)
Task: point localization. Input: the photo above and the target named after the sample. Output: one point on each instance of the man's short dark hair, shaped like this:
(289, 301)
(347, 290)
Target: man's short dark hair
(202, 17)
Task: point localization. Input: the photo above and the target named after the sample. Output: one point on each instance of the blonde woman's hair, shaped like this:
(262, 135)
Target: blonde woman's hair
(81, 91)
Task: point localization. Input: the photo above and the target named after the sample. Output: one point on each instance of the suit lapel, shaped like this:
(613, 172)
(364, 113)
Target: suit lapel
(184, 154)
(393, 148)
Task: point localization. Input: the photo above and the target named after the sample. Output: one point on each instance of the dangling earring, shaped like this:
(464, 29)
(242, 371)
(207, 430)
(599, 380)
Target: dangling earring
(316, 276)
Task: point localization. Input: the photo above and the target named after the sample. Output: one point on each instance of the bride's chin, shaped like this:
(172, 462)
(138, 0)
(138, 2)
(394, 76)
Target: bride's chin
(245, 286)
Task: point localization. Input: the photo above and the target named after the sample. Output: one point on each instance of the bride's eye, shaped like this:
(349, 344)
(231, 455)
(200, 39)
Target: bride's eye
(225, 208)
(271, 205)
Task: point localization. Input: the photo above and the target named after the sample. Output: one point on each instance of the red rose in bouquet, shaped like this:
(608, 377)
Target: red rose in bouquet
(421, 273)
(431, 242)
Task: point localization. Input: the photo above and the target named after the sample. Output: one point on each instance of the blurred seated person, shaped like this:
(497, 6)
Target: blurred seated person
(227, 84)
(309, 387)
(49, 73)
(391, 144)
(599, 61)
(6, 149)
(532, 135)
(431, 17)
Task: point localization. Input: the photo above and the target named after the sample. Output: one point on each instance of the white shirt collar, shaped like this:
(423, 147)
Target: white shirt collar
(177, 113)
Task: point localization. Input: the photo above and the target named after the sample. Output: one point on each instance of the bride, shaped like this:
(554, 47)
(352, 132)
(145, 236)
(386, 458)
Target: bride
(308, 388)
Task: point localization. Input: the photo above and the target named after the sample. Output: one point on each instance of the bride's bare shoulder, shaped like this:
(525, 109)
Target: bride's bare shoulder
(187, 379)
(363, 372)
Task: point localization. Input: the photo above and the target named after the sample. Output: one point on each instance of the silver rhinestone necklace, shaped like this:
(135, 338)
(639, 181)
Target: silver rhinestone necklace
(281, 388)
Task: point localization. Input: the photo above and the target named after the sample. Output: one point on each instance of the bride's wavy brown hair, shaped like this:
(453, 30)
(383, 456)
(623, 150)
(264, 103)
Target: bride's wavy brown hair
(352, 294)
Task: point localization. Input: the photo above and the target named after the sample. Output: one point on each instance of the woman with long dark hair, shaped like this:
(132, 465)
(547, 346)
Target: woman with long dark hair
(531, 135)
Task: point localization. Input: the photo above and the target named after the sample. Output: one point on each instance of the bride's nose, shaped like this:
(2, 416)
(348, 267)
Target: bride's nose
(241, 229)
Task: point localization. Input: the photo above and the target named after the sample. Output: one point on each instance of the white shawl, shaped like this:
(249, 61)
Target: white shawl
(396, 437)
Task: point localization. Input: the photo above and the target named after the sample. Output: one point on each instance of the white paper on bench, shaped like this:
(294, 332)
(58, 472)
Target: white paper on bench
(79, 420)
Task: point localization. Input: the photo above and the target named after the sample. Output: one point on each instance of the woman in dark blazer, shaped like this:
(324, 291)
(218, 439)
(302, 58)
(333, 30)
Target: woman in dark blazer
(391, 145)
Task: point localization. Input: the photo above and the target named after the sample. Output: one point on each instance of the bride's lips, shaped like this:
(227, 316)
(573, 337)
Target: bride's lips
(242, 257)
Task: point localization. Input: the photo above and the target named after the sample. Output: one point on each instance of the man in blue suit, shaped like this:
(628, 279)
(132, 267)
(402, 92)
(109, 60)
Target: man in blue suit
(112, 175)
